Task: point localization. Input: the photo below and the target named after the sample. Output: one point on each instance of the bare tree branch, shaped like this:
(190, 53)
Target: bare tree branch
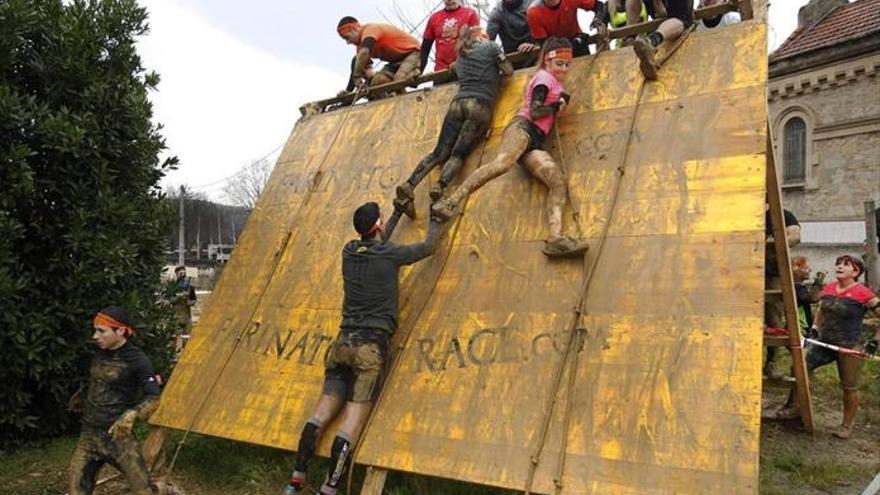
(245, 188)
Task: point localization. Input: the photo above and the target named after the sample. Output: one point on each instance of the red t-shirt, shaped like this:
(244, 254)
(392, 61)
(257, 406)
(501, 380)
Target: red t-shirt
(856, 292)
(443, 27)
(392, 44)
(560, 21)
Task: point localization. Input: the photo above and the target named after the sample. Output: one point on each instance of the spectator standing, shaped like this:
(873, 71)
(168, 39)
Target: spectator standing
(443, 28)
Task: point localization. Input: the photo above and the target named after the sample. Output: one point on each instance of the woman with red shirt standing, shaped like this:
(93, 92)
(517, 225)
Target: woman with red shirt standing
(842, 307)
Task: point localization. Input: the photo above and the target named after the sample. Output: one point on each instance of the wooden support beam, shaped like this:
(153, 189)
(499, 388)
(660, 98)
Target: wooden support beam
(786, 282)
(374, 482)
(444, 76)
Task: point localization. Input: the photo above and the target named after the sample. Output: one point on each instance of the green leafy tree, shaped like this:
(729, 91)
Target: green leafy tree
(82, 219)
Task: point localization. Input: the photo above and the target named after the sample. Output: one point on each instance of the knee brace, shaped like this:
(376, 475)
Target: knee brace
(308, 441)
(340, 454)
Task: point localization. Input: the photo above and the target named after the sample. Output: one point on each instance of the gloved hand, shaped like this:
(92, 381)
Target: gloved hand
(122, 427)
(871, 347)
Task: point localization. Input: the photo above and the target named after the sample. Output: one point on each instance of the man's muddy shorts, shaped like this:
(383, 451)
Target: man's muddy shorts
(355, 367)
(682, 10)
(849, 368)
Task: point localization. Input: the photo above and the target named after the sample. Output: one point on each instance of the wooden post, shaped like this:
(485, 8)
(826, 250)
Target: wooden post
(374, 482)
(873, 260)
(153, 448)
(786, 281)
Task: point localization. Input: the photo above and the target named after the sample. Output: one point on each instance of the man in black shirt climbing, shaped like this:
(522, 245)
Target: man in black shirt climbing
(121, 388)
(357, 360)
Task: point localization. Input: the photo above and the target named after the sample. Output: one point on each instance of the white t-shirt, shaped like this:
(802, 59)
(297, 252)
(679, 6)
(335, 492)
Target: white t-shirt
(726, 20)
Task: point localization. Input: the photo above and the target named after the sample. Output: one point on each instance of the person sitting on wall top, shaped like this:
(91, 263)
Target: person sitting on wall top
(385, 42)
(680, 16)
(509, 21)
(558, 18)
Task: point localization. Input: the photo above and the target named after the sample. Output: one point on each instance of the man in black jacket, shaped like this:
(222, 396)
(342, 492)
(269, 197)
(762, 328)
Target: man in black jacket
(357, 360)
(122, 387)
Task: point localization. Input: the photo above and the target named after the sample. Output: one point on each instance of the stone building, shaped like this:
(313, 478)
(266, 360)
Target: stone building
(824, 98)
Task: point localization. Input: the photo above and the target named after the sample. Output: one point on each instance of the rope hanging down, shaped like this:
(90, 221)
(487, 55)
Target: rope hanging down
(276, 262)
(570, 357)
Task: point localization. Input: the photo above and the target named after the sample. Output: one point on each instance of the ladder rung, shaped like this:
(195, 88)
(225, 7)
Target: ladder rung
(776, 341)
(777, 292)
(783, 382)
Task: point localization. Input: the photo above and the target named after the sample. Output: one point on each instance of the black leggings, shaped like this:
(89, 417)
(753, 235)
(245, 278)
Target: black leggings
(464, 126)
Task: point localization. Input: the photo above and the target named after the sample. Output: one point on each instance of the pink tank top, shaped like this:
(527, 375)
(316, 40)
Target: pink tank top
(554, 90)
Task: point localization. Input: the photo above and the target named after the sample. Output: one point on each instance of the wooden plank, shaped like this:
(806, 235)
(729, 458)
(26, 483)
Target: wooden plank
(445, 76)
(374, 482)
(668, 379)
(786, 280)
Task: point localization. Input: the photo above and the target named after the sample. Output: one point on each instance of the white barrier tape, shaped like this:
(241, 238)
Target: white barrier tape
(841, 350)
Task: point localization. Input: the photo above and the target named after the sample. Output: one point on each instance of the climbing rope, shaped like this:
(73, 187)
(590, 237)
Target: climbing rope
(276, 262)
(570, 357)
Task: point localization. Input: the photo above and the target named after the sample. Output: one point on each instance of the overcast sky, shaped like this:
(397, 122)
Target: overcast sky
(235, 73)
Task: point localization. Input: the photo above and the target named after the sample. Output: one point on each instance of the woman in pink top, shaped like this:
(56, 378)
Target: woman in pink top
(522, 139)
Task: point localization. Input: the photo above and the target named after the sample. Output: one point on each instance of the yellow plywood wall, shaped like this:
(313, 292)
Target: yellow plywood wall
(667, 392)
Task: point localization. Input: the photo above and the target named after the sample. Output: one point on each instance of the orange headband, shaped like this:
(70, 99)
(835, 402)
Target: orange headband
(108, 321)
(347, 28)
(561, 53)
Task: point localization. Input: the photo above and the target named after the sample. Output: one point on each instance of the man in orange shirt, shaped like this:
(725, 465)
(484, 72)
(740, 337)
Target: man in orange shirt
(558, 18)
(398, 49)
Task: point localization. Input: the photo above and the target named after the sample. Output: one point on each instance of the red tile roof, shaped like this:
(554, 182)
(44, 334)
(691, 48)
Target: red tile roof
(846, 22)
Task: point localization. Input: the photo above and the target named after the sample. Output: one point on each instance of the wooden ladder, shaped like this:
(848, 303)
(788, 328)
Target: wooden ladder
(792, 341)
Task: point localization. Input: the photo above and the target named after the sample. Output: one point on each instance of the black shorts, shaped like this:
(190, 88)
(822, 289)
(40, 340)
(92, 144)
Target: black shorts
(355, 367)
(536, 136)
(682, 10)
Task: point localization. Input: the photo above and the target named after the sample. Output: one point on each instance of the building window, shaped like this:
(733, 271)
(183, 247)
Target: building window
(794, 157)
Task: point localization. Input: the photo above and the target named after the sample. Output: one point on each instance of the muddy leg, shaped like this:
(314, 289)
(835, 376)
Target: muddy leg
(514, 142)
(541, 166)
(477, 118)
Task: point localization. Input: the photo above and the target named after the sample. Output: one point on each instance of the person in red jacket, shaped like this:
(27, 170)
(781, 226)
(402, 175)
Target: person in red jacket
(443, 27)
(558, 18)
(382, 41)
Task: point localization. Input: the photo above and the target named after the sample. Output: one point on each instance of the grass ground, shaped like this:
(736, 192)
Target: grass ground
(792, 462)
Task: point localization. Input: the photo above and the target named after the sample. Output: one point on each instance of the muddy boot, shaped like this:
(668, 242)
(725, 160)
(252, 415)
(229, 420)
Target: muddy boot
(436, 192)
(564, 246)
(645, 51)
(843, 433)
(444, 210)
(788, 412)
(296, 484)
(405, 200)
(165, 488)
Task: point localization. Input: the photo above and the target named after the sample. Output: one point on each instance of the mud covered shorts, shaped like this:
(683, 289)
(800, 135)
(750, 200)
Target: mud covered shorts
(356, 364)
(536, 137)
